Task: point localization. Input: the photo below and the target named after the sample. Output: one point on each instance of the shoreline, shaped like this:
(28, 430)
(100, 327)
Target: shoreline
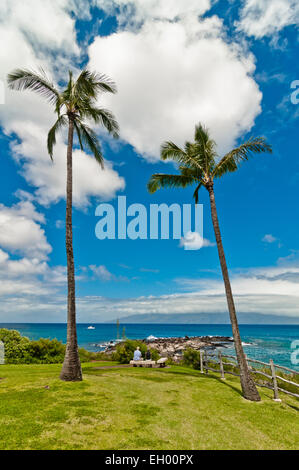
(174, 347)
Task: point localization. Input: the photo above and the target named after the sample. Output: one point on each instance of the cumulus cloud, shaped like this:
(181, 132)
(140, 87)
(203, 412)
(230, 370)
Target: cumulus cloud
(20, 230)
(194, 241)
(261, 18)
(46, 22)
(49, 177)
(43, 34)
(171, 75)
(136, 11)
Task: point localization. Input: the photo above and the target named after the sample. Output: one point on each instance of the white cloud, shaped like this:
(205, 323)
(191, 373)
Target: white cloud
(268, 291)
(135, 11)
(171, 75)
(194, 241)
(101, 272)
(46, 22)
(60, 224)
(268, 238)
(89, 179)
(20, 231)
(260, 18)
(43, 34)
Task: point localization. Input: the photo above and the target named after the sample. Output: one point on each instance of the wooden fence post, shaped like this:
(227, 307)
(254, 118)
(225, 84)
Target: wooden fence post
(221, 366)
(206, 362)
(201, 362)
(274, 380)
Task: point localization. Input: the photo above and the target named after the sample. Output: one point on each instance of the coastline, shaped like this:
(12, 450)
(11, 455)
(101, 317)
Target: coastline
(174, 347)
(261, 342)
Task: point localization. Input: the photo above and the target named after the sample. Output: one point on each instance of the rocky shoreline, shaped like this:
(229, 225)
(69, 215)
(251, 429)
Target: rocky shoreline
(175, 347)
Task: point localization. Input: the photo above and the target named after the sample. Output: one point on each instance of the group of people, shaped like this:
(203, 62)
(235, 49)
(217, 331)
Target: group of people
(138, 355)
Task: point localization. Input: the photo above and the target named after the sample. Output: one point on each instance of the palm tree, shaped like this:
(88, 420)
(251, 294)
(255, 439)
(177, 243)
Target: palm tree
(199, 165)
(73, 106)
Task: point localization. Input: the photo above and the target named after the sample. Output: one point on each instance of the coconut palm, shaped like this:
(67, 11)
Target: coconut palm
(74, 106)
(200, 165)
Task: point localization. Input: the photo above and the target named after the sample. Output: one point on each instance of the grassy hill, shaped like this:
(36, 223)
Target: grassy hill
(136, 408)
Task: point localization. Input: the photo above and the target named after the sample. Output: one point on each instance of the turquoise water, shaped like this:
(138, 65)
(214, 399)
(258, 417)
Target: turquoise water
(266, 341)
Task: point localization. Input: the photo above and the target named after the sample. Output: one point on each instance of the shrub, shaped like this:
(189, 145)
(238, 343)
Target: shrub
(87, 356)
(16, 347)
(154, 354)
(191, 358)
(20, 350)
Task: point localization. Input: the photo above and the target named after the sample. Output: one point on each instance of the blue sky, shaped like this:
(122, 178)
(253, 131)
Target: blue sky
(227, 64)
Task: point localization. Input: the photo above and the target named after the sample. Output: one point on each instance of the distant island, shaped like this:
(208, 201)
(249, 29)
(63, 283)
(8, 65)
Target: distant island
(209, 319)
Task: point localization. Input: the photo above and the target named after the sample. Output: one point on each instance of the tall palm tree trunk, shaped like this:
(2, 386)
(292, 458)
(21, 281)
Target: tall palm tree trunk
(71, 369)
(248, 387)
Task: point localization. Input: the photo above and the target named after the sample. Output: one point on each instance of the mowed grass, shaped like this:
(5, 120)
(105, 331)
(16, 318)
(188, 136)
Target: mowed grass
(136, 408)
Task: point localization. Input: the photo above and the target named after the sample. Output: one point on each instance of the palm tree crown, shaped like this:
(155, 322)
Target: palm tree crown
(77, 102)
(199, 163)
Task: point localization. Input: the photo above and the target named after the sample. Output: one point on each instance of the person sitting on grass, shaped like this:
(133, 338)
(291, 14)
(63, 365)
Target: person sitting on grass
(137, 354)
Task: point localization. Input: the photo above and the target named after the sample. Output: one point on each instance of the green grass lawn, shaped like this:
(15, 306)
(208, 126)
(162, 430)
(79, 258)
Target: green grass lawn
(136, 408)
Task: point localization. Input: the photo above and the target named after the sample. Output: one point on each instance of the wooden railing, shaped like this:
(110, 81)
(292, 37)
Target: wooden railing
(224, 361)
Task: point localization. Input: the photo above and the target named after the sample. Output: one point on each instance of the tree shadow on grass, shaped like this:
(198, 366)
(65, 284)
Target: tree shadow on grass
(197, 374)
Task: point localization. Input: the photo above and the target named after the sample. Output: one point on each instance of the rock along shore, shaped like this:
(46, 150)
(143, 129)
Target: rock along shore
(175, 347)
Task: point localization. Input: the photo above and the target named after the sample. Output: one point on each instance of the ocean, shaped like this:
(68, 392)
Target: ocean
(262, 342)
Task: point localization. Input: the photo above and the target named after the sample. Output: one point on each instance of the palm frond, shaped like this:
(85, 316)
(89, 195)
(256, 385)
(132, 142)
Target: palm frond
(159, 181)
(103, 117)
(51, 141)
(88, 137)
(170, 150)
(195, 194)
(205, 147)
(91, 83)
(201, 134)
(78, 132)
(25, 79)
(231, 161)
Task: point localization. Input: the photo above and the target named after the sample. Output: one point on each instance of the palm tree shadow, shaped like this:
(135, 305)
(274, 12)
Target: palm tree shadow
(195, 373)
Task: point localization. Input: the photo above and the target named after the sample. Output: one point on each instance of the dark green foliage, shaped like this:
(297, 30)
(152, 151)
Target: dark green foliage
(46, 351)
(191, 358)
(20, 350)
(16, 347)
(154, 354)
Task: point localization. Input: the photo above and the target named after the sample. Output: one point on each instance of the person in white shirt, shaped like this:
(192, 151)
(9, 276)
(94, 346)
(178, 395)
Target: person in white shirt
(137, 354)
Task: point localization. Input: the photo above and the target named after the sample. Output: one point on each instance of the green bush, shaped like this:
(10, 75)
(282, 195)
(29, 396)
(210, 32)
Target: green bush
(20, 350)
(16, 347)
(87, 356)
(154, 354)
(191, 358)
